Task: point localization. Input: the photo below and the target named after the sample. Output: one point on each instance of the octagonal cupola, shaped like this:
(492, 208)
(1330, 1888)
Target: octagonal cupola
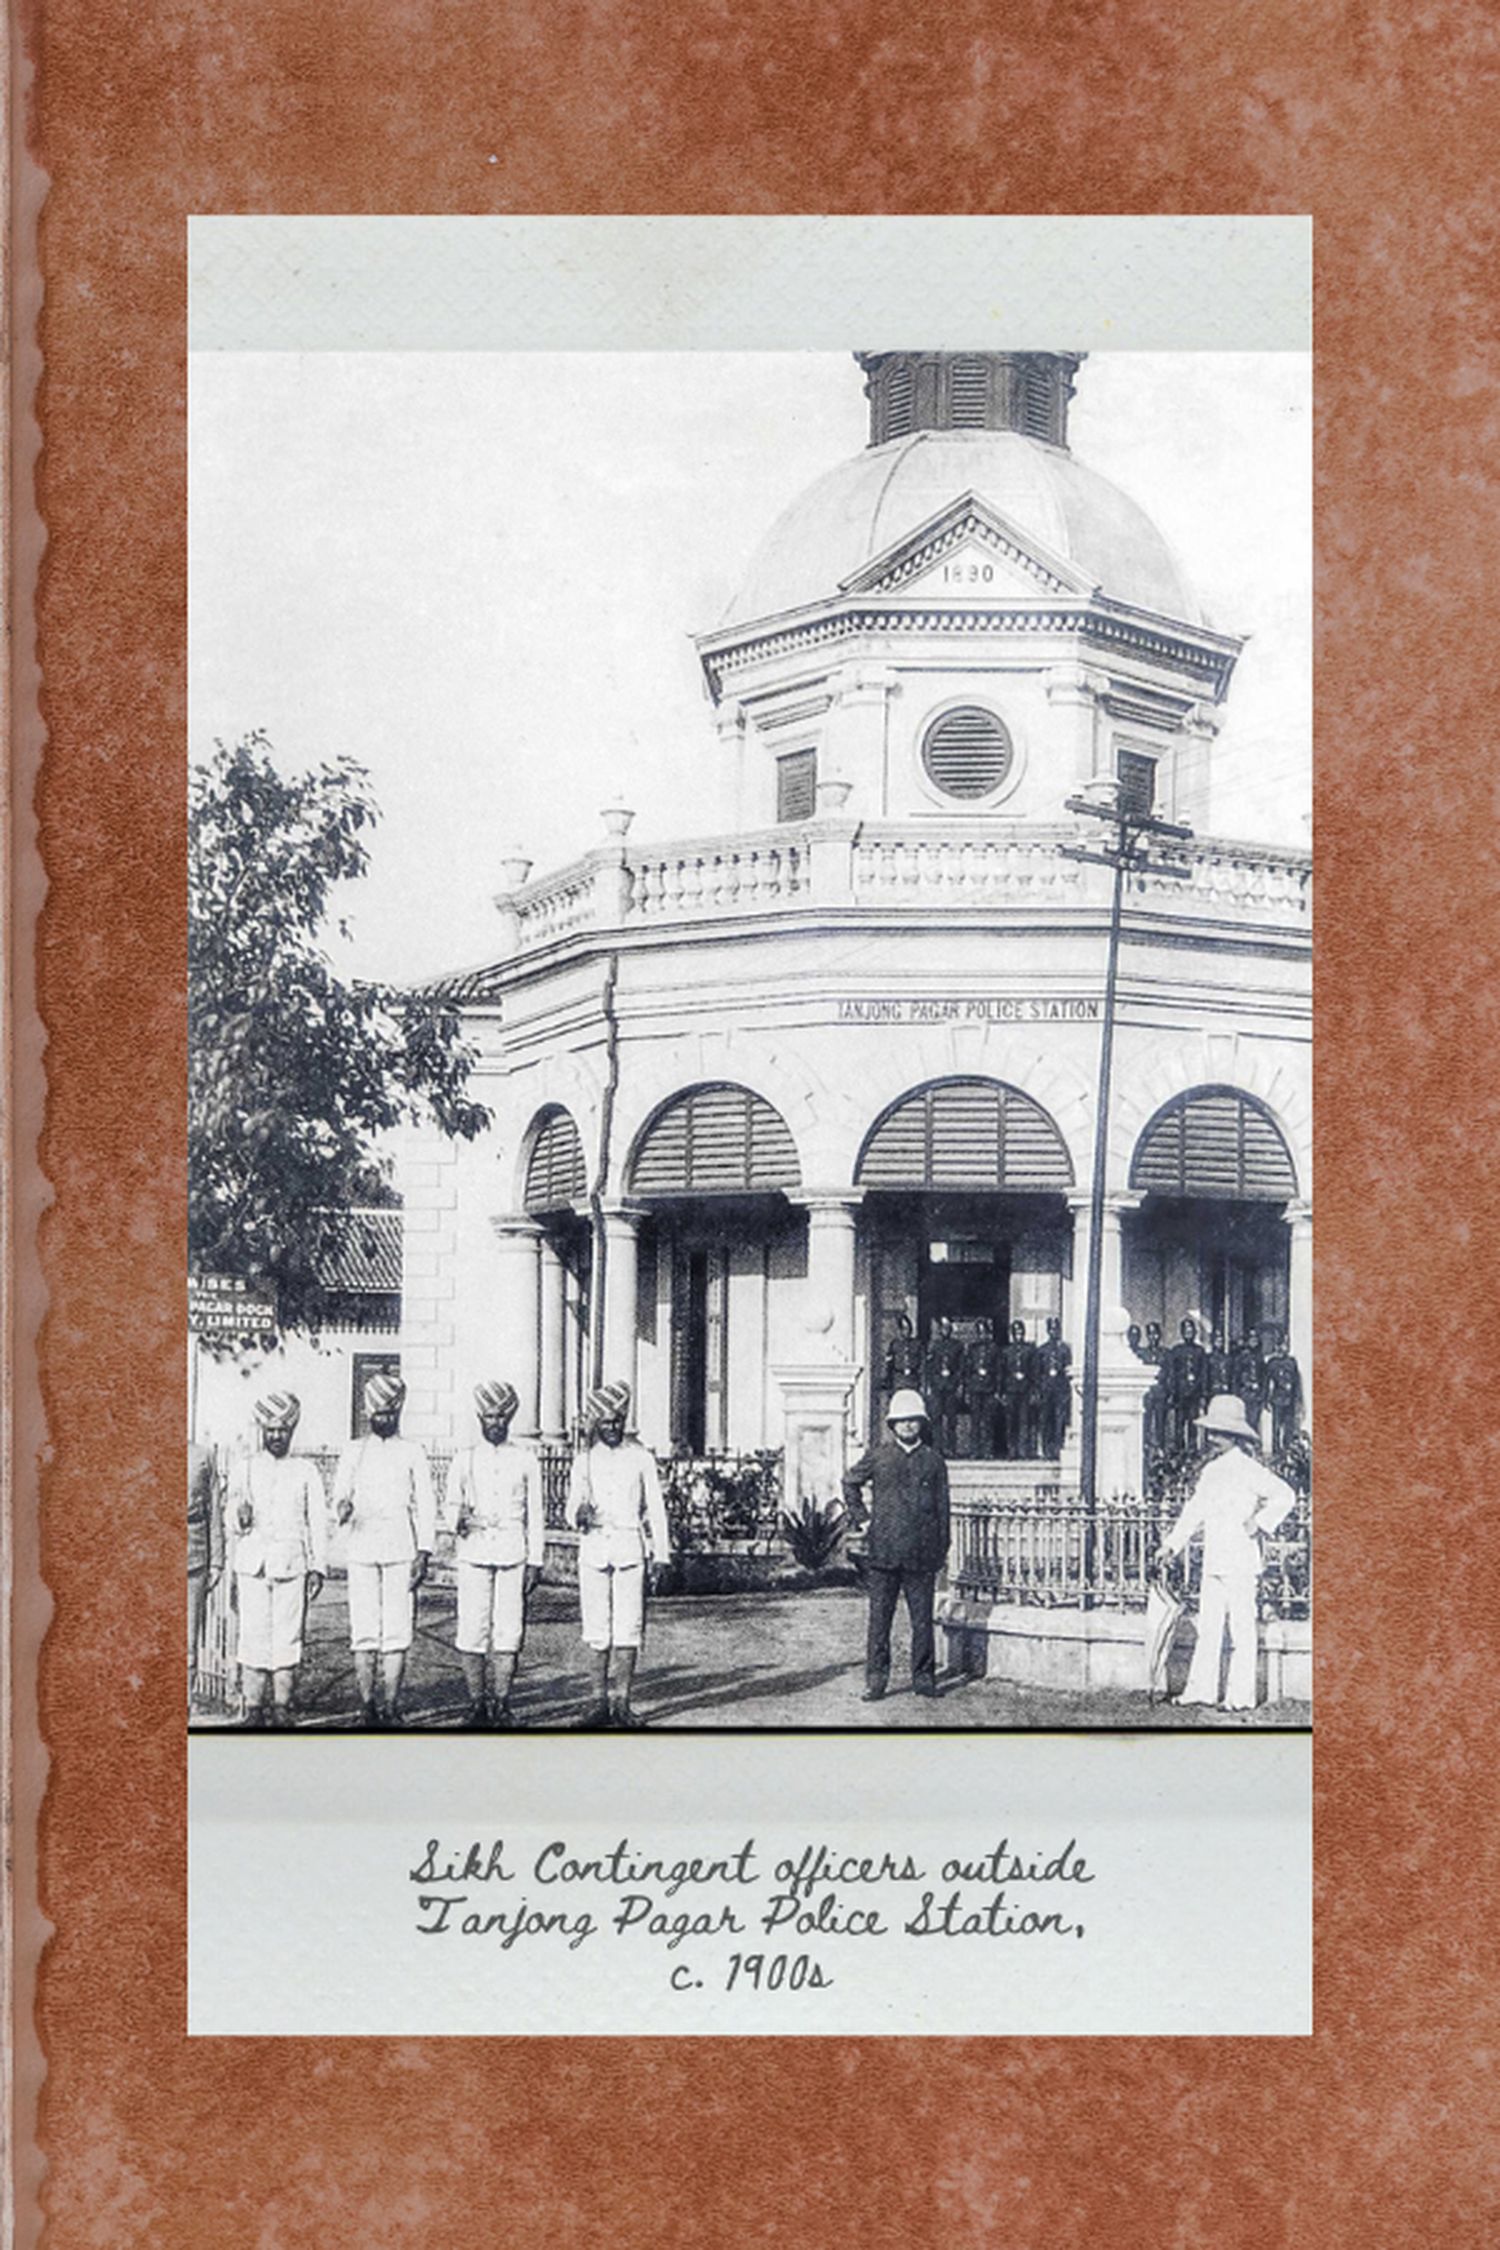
(964, 621)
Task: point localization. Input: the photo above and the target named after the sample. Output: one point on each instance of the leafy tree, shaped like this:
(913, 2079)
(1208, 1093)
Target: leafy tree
(294, 1074)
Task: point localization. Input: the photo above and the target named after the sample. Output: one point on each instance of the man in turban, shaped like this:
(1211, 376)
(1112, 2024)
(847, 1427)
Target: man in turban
(382, 1494)
(615, 1503)
(280, 1520)
(493, 1505)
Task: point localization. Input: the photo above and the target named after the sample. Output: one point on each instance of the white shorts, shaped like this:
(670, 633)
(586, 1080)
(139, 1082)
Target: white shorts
(491, 1608)
(270, 1621)
(612, 1598)
(381, 1604)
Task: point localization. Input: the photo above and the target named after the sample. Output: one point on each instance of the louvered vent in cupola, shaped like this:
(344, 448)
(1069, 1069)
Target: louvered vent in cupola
(967, 753)
(900, 392)
(969, 402)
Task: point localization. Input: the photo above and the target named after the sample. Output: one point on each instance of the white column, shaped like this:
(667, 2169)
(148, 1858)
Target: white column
(830, 1272)
(517, 1327)
(554, 1340)
(621, 1257)
(1300, 1295)
(1111, 1267)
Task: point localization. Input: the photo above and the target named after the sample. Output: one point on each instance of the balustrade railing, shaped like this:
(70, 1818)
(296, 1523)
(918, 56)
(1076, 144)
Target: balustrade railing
(887, 863)
(1033, 1550)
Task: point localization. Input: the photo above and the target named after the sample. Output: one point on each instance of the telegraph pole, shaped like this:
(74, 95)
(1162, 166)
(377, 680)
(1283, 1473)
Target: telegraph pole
(1125, 851)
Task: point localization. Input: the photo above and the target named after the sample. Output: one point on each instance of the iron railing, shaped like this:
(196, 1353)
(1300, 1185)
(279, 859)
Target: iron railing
(1031, 1549)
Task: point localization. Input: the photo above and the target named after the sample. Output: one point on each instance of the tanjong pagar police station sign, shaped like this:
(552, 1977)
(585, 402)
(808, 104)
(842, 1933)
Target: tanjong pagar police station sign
(1025, 1008)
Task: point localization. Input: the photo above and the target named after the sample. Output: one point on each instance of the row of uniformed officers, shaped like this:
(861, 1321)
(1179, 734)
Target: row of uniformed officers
(1255, 1368)
(1018, 1395)
(276, 1513)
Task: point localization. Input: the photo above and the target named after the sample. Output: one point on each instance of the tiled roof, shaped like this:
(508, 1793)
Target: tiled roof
(366, 1254)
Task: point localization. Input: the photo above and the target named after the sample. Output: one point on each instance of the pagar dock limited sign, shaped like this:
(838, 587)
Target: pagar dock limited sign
(221, 1304)
(1026, 1008)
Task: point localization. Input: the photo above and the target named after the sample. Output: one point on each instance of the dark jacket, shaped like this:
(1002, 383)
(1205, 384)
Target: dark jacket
(908, 1505)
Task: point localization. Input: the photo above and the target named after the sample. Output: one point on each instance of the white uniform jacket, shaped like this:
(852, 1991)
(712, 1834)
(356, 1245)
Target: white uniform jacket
(391, 1486)
(288, 1534)
(500, 1487)
(622, 1483)
(1235, 1501)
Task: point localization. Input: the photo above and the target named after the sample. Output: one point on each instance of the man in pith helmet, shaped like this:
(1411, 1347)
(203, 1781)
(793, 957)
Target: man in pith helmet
(1236, 1503)
(907, 1541)
(280, 1520)
(382, 1494)
(494, 1508)
(615, 1502)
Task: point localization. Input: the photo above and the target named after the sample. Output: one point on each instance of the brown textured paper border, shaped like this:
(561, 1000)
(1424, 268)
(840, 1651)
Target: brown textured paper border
(1381, 2126)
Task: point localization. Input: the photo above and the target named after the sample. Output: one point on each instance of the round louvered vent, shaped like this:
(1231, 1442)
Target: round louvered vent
(967, 753)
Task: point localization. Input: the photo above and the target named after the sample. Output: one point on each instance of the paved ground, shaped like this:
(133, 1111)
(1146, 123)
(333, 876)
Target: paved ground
(719, 1660)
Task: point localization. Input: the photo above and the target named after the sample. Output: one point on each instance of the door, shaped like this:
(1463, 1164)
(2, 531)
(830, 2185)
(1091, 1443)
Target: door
(700, 1348)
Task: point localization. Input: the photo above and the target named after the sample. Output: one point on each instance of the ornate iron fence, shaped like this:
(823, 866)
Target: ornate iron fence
(1033, 1549)
(723, 1499)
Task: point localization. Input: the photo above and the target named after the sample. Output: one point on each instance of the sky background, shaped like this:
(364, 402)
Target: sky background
(479, 575)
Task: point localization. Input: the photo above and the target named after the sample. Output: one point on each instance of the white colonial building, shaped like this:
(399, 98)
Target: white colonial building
(757, 1095)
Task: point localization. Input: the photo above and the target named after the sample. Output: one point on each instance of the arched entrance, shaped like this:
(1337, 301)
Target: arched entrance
(710, 1174)
(555, 1198)
(1210, 1236)
(967, 1224)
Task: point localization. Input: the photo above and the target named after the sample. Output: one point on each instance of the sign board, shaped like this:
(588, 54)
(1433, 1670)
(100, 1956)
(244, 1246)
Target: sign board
(1022, 1008)
(221, 1304)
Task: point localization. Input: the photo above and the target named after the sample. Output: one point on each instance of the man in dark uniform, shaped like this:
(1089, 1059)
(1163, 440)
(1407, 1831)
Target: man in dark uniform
(907, 1541)
(1283, 1380)
(944, 1371)
(1018, 1395)
(982, 1390)
(1187, 1387)
(1154, 1405)
(1218, 1365)
(903, 1358)
(1054, 1372)
(1247, 1377)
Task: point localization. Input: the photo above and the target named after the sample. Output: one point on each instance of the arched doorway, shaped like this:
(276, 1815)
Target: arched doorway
(555, 1195)
(1210, 1236)
(966, 1223)
(714, 1168)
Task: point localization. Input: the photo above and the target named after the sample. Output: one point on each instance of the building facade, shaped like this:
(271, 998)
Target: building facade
(769, 1101)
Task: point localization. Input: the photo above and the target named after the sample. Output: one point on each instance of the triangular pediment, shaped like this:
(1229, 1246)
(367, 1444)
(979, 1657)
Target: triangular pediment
(970, 552)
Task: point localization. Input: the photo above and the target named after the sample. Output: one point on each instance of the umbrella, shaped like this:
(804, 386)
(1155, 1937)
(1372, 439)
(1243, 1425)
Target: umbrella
(1162, 1612)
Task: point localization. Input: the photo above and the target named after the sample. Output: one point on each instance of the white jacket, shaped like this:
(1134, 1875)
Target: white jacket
(500, 1489)
(1236, 1501)
(621, 1483)
(288, 1534)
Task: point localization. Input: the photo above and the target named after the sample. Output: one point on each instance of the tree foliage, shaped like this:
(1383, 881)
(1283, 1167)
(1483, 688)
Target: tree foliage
(294, 1073)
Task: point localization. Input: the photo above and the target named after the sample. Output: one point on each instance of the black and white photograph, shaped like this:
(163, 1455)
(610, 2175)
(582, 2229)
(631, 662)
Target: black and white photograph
(750, 1079)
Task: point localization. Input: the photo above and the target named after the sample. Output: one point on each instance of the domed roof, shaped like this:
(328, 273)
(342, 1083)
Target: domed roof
(866, 505)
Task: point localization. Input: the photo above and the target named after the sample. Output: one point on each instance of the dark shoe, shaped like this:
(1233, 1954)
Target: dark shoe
(392, 1722)
(254, 1719)
(474, 1718)
(630, 1722)
(595, 1721)
(873, 1695)
(281, 1718)
(369, 1717)
(498, 1718)
(924, 1687)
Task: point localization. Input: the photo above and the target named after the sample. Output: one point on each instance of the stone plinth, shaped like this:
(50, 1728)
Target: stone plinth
(815, 1401)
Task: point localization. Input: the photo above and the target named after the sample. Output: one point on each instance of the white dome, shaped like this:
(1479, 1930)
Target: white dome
(865, 505)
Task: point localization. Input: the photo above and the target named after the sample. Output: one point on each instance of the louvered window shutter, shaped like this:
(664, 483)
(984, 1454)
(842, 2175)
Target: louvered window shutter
(967, 1133)
(716, 1140)
(555, 1172)
(969, 394)
(1214, 1143)
(797, 785)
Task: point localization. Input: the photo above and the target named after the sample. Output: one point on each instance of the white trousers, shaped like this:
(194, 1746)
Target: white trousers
(491, 1610)
(270, 1621)
(613, 1603)
(381, 1603)
(1224, 1602)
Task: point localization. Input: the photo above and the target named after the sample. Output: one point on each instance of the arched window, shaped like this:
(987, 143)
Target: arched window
(715, 1140)
(966, 1133)
(1214, 1142)
(556, 1176)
